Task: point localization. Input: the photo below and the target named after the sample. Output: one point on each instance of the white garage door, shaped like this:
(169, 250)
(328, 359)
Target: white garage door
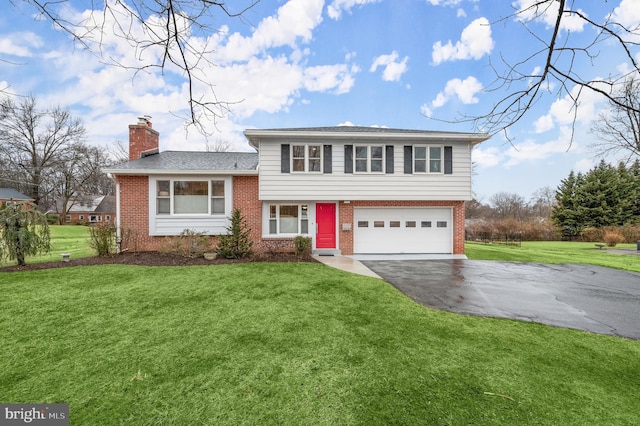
(403, 230)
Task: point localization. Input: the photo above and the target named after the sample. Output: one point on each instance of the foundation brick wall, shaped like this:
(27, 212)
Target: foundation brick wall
(346, 216)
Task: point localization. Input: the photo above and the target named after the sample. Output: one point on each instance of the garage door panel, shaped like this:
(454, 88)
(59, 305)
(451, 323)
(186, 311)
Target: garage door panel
(403, 230)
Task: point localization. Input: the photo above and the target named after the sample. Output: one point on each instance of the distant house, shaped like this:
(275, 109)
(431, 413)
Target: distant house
(351, 190)
(93, 210)
(10, 195)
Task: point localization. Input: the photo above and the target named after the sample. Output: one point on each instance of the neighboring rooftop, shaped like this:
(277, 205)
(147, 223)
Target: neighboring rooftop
(12, 194)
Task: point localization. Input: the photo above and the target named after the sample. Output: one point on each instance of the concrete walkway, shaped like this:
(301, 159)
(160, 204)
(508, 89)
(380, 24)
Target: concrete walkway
(346, 263)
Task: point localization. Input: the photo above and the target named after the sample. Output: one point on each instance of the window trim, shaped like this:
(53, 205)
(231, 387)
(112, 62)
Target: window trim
(369, 159)
(276, 219)
(427, 159)
(307, 158)
(162, 195)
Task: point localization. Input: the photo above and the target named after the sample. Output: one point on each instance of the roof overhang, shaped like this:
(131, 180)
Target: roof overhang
(143, 172)
(255, 136)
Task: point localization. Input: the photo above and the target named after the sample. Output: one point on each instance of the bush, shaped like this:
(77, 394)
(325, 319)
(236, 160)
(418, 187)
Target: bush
(236, 244)
(103, 239)
(188, 244)
(302, 245)
(611, 239)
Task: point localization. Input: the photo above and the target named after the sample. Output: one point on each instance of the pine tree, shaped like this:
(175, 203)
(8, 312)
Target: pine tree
(236, 244)
(565, 213)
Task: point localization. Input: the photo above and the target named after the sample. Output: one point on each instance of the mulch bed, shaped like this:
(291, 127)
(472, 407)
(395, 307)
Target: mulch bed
(154, 258)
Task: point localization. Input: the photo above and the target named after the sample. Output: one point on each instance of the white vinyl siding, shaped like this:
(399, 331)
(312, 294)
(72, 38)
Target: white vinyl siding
(173, 224)
(275, 185)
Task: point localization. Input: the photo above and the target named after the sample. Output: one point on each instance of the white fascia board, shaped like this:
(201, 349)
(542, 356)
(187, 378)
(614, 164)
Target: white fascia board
(256, 136)
(180, 172)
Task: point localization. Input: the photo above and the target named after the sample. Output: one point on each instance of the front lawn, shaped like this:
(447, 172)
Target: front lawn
(555, 252)
(72, 239)
(292, 344)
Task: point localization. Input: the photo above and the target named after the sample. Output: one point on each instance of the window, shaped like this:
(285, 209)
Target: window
(190, 197)
(81, 217)
(217, 197)
(363, 224)
(369, 159)
(378, 223)
(306, 158)
(67, 218)
(394, 224)
(425, 224)
(427, 159)
(288, 219)
(441, 224)
(410, 224)
(107, 218)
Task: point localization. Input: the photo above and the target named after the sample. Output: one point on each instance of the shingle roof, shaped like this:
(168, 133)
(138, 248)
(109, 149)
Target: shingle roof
(191, 161)
(356, 129)
(12, 194)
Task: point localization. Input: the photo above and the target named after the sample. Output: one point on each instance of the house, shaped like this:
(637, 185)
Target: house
(10, 195)
(98, 209)
(352, 190)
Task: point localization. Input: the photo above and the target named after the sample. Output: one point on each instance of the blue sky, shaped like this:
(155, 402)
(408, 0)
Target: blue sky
(416, 64)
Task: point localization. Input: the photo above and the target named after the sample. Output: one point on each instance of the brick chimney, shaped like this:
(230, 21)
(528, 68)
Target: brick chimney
(143, 140)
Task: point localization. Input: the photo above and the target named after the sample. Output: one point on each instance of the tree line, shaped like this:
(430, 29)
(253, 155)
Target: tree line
(605, 196)
(44, 155)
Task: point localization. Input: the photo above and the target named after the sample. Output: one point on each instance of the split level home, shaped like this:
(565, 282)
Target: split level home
(352, 190)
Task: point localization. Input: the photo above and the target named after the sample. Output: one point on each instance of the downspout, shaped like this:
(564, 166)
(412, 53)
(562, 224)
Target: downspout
(118, 231)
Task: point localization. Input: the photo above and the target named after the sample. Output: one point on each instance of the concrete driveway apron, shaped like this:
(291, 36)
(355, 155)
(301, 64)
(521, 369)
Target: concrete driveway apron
(584, 297)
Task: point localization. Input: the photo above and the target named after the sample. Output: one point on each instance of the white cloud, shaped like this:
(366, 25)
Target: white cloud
(465, 90)
(486, 157)
(532, 151)
(547, 12)
(475, 42)
(627, 13)
(543, 124)
(335, 9)
(444, 2)
(583, 165)
(294, 21)
(563, 111)
(393, 69)
(19, 44)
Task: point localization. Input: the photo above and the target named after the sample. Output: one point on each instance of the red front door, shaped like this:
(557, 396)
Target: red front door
(326, 229)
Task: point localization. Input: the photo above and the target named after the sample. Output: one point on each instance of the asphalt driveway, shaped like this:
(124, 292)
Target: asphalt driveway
(584, 297)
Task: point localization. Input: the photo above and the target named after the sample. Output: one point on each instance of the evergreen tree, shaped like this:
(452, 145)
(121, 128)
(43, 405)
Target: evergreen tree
(236, 244)
(565, 212)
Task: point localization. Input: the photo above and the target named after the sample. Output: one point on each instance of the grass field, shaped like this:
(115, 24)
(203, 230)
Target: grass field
(555, 252)
(292, 344)
(73, 239)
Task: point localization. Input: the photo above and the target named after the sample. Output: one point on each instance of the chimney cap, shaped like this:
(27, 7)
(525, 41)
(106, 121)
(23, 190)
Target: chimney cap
(145, 119)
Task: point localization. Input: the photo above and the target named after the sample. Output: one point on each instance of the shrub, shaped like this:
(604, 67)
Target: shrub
(236, 244)
(611, 239)
(24, 231)
(302, 245)
(103, 239)
(188, 244)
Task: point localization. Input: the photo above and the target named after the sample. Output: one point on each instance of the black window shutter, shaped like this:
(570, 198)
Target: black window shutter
(389, 159)
(408, 159)
(348, 158)
(327, 166)
(285, 162)
(448, 160)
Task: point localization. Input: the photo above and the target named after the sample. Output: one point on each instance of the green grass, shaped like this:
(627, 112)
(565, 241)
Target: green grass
(292, 344)
(555, 252)
(72, 239)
